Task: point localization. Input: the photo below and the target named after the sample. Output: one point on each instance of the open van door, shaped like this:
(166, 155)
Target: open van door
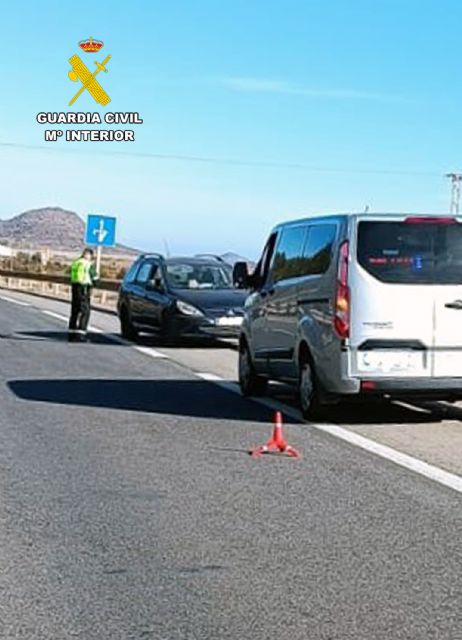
(448, 300)
(407, 297)
(392, 299)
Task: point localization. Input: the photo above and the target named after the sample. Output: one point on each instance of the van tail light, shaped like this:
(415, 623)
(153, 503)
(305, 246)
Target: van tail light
(368, 385)
(430, 220)
(342, 294)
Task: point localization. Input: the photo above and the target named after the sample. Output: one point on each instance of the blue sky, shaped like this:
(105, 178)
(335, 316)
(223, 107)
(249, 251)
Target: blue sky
(322, 105)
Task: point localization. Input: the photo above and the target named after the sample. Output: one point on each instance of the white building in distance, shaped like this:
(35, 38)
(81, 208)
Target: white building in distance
(5, 251)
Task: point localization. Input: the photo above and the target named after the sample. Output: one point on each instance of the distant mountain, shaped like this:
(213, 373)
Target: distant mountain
(48, 228)
(60, 230)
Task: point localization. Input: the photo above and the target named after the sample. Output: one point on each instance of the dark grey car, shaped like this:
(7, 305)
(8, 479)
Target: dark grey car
(180, 297)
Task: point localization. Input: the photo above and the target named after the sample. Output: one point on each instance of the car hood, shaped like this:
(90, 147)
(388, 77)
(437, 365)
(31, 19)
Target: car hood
(215, 301)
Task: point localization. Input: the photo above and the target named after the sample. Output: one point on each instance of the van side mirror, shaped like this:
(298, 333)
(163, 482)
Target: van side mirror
(241, 275)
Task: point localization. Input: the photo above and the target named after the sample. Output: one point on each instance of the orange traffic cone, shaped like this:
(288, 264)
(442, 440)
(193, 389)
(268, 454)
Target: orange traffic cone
(277, 442)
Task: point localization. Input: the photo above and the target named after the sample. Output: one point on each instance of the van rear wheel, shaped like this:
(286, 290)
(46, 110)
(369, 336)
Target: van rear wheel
(309, 396)
(250, 382)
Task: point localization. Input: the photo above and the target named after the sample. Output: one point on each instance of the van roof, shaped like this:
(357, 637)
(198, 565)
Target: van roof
(338, 217)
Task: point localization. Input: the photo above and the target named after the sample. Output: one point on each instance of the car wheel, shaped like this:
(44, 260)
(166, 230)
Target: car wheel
(250, 382)
(167, 339)
(127, 330)
(167, 336)
(310, 404)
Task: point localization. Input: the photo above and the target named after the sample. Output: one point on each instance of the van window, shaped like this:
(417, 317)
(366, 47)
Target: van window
(318, 248)
(411, 253)
(288, 261)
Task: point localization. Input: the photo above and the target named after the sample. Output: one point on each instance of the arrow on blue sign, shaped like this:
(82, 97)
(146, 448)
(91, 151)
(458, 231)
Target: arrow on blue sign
(100, 231)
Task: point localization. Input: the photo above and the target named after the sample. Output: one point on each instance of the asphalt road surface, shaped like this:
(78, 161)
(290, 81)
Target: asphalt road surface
(129, 507)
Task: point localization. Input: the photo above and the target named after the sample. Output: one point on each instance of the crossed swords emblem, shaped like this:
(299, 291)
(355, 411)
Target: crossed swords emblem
(81, 72)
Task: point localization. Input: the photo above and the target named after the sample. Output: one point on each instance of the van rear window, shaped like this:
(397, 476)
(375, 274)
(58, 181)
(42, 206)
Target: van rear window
(417, 253)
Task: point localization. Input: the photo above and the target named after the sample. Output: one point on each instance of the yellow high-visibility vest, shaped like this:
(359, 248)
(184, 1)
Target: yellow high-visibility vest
(81, 272)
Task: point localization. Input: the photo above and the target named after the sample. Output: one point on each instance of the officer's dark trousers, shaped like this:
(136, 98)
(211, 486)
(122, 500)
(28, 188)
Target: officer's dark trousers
(80, 309)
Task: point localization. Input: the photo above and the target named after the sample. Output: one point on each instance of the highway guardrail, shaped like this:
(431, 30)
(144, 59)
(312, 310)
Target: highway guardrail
(58, 287)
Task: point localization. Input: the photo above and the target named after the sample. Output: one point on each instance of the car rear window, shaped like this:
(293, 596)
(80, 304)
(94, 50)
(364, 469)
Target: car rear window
(411, 252)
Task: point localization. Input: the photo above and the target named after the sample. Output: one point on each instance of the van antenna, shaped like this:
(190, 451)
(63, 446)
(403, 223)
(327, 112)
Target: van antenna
(366, 208)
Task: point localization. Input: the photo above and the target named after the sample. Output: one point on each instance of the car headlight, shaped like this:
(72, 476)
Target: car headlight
(188, 309)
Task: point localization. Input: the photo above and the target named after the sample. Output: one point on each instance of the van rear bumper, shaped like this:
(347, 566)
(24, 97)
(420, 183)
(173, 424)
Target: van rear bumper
(412, 387)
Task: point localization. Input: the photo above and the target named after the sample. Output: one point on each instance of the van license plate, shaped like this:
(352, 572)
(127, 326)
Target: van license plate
(390, 361)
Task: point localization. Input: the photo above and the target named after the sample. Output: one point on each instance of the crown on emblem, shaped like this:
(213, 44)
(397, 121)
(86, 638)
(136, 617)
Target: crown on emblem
(90, 45)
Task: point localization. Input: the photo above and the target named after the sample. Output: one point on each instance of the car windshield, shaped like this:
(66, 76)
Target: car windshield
(183, 275)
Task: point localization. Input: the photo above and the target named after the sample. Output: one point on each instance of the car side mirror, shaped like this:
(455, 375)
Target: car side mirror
(241, 275)
(155, 284)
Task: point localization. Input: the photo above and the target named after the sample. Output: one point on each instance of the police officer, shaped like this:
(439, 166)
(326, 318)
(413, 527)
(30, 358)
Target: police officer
(83, 277)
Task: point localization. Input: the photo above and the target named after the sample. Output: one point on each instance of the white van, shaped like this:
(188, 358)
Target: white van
(353, 305)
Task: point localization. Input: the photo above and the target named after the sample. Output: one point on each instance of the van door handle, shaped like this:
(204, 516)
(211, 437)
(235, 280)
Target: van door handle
(455, 304)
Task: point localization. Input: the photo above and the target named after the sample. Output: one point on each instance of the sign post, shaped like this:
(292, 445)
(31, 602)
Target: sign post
(100, 232)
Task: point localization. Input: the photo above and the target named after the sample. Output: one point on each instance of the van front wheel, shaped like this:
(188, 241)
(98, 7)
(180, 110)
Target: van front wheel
(250, 382)
(309, 397)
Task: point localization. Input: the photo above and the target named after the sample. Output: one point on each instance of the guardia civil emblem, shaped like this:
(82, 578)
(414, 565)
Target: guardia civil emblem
(80, 72)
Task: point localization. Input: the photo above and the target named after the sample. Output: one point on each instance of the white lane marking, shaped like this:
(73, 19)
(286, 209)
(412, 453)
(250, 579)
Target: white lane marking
(211, 377)
(425, 469)
(54, 315)
(412, 407)
(147, 351)
(403, 459)
(14, 301)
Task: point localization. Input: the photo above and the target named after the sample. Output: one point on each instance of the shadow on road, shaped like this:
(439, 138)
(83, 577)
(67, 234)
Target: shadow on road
(52, 336)
(113, 339)
(198, 398)
(376, 412)
(193, 398)
(387, 412)
(382, 413)
(442, 410)
(61, 336)
(147, 340)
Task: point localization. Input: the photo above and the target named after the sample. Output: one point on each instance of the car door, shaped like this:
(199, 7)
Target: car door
(256, 307)
(156, 299)
(281, 303)
(126, 289)
(447, 351)
(147, 299)
(138, 292)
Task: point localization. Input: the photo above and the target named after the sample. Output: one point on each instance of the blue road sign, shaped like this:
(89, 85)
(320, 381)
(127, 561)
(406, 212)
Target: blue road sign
(100, 231)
